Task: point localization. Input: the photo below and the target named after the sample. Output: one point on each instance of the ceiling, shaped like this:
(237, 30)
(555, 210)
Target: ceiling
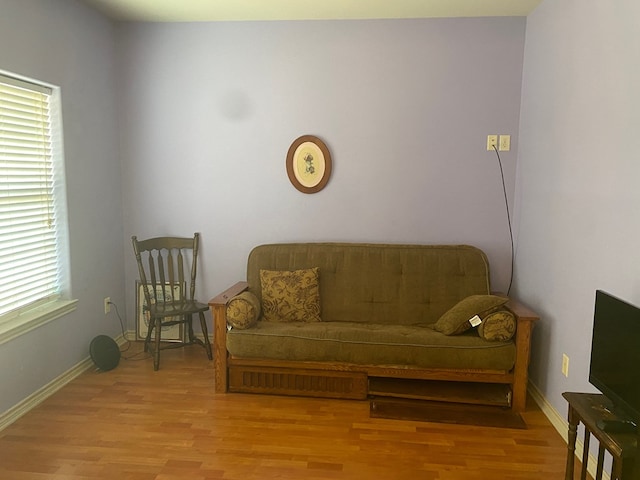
(248, 10)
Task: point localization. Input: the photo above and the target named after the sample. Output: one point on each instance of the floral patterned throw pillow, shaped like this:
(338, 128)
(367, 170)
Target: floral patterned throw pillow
(243, 311)
(290, 296)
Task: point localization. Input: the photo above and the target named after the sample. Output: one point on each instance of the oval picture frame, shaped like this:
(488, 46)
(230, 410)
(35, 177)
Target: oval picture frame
(308, 164)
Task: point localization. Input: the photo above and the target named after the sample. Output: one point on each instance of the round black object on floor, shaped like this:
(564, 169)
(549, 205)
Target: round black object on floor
(105, 352)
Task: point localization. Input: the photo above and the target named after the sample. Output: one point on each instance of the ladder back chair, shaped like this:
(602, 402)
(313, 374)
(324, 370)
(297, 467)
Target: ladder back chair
(162, 265)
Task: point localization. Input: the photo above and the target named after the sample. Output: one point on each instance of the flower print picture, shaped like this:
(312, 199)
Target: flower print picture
(309, 161)
(308, 164)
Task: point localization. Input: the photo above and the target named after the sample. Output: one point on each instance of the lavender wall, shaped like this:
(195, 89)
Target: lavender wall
(71, 46)
(578, 175)
(403, 105)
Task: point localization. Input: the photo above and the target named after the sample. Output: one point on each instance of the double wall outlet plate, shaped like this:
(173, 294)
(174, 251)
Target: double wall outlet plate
(499, 142)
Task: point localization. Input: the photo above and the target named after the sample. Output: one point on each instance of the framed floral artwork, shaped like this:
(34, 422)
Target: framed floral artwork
(308, 164)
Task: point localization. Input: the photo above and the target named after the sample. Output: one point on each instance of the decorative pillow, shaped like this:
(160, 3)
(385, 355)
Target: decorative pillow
(498, 326)
(290, 296)
(243, 310)
(458, 319)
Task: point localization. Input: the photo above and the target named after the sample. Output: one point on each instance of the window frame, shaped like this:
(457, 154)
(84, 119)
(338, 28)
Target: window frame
(50, 307)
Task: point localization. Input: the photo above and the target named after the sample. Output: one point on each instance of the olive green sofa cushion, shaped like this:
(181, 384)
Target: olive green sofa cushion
(460, 317)
(380, 283)
(370, 344)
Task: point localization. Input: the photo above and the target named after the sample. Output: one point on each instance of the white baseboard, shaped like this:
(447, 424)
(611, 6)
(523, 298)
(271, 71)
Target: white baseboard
(562, 426)
(37, 397)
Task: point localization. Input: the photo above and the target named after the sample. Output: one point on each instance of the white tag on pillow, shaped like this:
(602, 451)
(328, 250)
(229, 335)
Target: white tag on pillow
(475, 321)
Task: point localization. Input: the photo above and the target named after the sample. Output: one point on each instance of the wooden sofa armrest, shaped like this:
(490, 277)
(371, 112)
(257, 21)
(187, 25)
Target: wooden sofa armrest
(218, 306)
(525, 320)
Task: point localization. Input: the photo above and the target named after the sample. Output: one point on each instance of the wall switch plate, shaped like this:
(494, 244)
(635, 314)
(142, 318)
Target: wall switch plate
(107, 305)
(565, 365)
(492, 141)
(505, 143)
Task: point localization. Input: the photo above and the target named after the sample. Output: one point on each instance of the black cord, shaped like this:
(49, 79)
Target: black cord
(124, 335)
(506, 203)
(142, 355)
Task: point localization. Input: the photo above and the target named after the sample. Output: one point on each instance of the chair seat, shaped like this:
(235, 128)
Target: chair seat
(172, 309)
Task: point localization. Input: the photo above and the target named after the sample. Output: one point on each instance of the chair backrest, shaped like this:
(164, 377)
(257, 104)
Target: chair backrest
(162, 264)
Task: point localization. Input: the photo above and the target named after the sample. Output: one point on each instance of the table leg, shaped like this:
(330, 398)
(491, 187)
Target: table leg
(571, 445)
(600, 463)
(585, 454)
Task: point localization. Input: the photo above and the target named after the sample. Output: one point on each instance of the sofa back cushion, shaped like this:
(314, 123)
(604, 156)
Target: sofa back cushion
(380, 283)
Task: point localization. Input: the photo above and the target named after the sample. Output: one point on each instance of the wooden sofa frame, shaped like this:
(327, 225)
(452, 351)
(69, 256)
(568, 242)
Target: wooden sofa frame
(343, 380)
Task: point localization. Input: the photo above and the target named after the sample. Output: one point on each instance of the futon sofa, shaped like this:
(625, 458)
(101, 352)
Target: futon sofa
(350, 320)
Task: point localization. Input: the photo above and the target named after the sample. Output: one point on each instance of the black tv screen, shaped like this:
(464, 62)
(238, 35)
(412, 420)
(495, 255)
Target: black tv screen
(615, 353)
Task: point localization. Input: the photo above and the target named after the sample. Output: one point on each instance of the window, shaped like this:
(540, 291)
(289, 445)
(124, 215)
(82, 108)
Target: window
(33, 231)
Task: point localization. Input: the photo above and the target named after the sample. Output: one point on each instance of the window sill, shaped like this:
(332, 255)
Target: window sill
(35, 318)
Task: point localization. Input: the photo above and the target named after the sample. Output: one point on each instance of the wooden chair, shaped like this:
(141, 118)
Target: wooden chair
(162, 263)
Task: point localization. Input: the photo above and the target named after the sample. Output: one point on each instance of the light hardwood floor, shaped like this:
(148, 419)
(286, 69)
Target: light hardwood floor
(134, 423)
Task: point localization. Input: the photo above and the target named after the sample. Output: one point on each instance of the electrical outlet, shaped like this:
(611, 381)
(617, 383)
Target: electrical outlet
(492, 141)
(107, 305)
(505, 143)
(565, 365)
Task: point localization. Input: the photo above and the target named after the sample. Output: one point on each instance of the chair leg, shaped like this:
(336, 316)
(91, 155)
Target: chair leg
(189, 325)
(156, 353)
(205, 333)
(147, 339)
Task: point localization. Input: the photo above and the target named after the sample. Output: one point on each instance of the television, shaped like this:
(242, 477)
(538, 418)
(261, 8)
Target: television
(615, 357)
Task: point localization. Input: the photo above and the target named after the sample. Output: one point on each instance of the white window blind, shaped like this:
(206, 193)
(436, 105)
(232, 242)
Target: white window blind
(28, 247)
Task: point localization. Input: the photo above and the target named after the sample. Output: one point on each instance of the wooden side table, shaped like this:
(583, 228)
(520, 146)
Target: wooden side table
(588, 408)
